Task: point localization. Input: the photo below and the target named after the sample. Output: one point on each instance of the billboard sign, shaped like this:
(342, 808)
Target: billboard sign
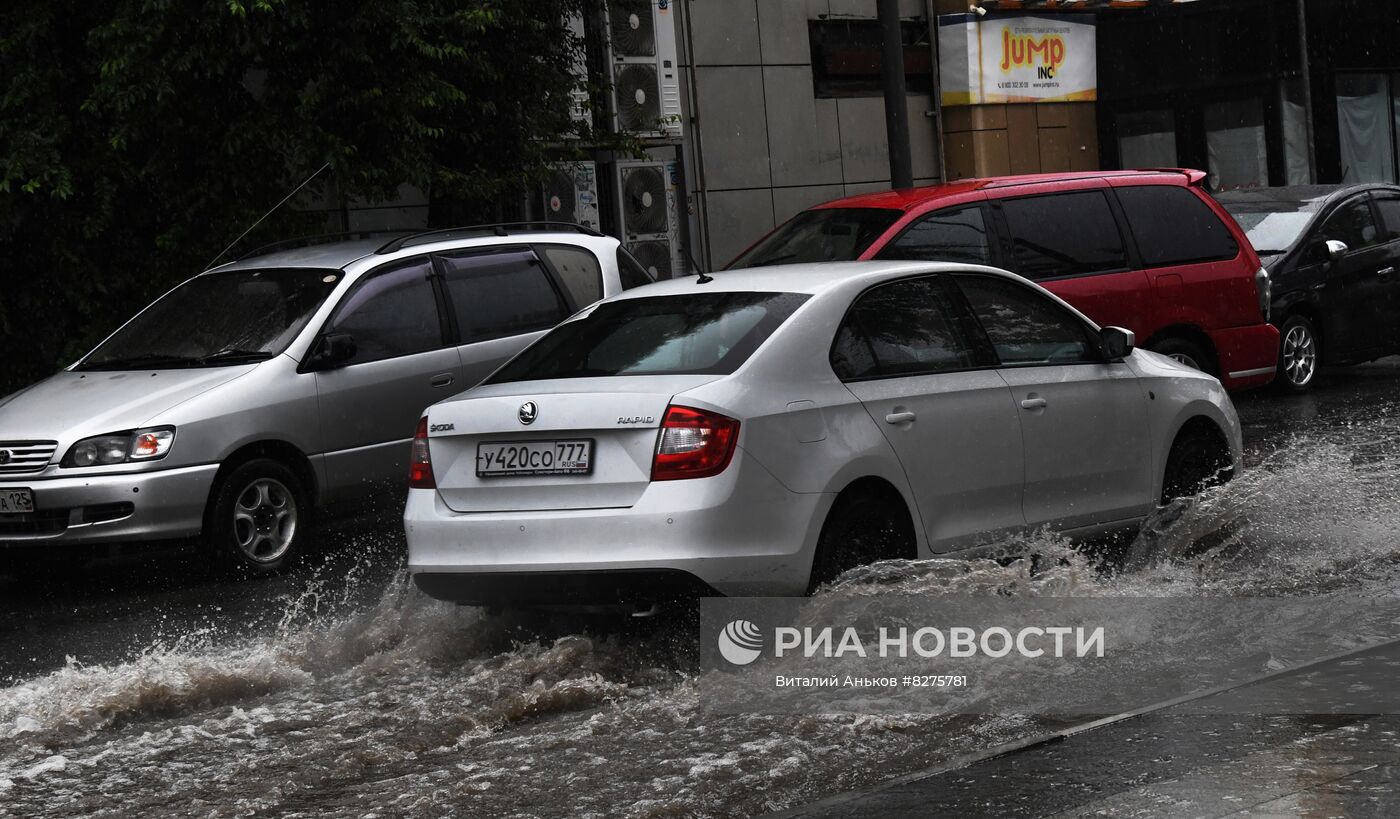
(1017, 59)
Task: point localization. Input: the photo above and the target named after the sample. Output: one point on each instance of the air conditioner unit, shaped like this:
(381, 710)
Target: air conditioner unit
(649, 217)
(646, 90)
(570, 194)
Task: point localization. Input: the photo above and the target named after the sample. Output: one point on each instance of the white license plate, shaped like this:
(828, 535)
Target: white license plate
(502, 458)
(16, 501)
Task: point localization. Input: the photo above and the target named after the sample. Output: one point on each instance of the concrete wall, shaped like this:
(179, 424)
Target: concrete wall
(760, 145)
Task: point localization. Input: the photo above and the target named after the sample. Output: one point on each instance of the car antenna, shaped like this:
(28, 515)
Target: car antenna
(705, 278)
(294, 192)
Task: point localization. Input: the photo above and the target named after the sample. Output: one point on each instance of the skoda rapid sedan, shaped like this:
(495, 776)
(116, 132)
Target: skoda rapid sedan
(760, 431)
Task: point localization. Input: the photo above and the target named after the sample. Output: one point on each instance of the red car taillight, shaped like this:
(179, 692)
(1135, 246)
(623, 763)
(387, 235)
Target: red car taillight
(420, 463)
(693, 444)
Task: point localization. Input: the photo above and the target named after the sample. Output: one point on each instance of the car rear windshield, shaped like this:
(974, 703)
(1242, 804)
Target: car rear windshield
(821, 235)
(709, 333)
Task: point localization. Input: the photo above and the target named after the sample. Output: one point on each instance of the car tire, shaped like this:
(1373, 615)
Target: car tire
(258, 516)
(1186, 352)
(862, 527)
(1199, 459)
(1299, 354)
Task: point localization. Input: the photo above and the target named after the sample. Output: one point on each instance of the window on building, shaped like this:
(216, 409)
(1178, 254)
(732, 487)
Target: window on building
(1235, 144)
(1064, 234)
(1365, 123)
(1294, 123)
(1147, 139)
(846, 57)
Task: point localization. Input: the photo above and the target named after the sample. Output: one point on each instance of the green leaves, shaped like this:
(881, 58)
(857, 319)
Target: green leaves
(138, 137)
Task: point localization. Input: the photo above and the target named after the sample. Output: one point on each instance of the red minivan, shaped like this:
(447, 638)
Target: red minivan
(1145, 250)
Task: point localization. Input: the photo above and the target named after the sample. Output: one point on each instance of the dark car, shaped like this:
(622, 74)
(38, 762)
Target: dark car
(1332, 254)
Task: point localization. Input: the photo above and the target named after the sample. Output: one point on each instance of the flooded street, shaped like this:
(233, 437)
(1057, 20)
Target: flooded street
(151, 688)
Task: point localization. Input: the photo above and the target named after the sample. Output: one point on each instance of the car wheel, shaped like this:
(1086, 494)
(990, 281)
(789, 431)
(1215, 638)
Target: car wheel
(1297, 354)
(863, 526)
(1185, 352)
(1199, 459)
(258, 518)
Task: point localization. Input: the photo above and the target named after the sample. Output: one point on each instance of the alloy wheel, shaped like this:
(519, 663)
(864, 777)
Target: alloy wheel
(1299, 356)
(264, 520)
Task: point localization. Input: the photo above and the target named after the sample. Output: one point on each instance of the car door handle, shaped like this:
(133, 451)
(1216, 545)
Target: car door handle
(900, 417)
(1034, 403)
(1385, 272)
(442, 380)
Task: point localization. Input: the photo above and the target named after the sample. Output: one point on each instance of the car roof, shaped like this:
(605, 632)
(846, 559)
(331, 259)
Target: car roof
(343, 254)
(908, 198)
(811, 277)
(1300, 197)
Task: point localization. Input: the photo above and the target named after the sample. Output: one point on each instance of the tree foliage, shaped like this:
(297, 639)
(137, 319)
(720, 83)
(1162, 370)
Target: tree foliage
(139, 137)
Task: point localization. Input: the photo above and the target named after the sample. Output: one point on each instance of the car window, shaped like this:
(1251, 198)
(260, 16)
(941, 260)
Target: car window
(500, 293)
(820, 235)
(953, 235)
(1173, 226)
(701, 332)
(392, 313)
(1065, 234)
(579, 270)
(1389, 206)
(1024, 326)
(902, 328)
(1353, 223)
(630, 272)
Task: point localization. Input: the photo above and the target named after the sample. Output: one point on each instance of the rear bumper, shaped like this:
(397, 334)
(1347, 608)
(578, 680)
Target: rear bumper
(110, 508)
(639, 587)
(738, 533)
(1248, 356)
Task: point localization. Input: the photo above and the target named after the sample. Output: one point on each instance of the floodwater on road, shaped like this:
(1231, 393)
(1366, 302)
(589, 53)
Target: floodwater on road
(356, 696)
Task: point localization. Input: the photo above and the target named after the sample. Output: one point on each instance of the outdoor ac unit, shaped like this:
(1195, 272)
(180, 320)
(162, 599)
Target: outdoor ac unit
(571, 194)
(646, 91)
(649, 216)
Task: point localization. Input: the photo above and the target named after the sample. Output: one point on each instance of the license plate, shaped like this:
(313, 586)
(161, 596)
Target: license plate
(16, 501)
(503, 458)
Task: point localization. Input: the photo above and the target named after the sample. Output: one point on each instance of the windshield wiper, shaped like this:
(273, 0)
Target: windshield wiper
(231, 355)
(137, 362)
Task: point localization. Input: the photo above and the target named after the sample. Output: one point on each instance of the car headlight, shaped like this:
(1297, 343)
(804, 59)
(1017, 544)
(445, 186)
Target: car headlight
(121, 447)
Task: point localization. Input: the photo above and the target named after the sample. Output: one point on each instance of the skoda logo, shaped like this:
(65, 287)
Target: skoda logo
(529, 412)
(5, 456)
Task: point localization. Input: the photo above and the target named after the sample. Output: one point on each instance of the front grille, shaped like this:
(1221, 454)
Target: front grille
(22, 457)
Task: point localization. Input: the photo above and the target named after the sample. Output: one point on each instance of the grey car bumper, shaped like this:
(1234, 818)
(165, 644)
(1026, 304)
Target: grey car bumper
(109, 508)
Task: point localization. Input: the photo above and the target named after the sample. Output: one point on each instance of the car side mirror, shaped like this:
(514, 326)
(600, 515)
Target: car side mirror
(1117, 342)
(1335, 250)
(333, 350)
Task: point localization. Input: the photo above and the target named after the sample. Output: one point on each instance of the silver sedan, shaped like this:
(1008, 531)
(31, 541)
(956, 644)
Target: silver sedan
(760, 431)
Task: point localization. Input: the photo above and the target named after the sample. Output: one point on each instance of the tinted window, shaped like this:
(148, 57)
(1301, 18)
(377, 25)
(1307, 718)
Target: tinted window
(1172, 226)
(502, 293)
(1024, 326)
(1352, 223)
(901, 328)
(1066, 234)
(392, 314)
(958, 235)
(1389, 206)
(578, 270)
(695, 333)
(821, 235)
(630, 272)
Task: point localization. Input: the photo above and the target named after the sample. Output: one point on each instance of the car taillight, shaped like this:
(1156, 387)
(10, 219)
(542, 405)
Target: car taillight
(1264, 287)
(420, 463)
(693, 444)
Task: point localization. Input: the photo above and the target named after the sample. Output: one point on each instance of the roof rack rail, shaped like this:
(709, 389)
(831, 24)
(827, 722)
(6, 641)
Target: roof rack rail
(318, 239)
(494, 229)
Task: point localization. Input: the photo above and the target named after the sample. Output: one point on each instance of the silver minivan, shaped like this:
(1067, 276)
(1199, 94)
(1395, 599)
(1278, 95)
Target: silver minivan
(256, 391)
